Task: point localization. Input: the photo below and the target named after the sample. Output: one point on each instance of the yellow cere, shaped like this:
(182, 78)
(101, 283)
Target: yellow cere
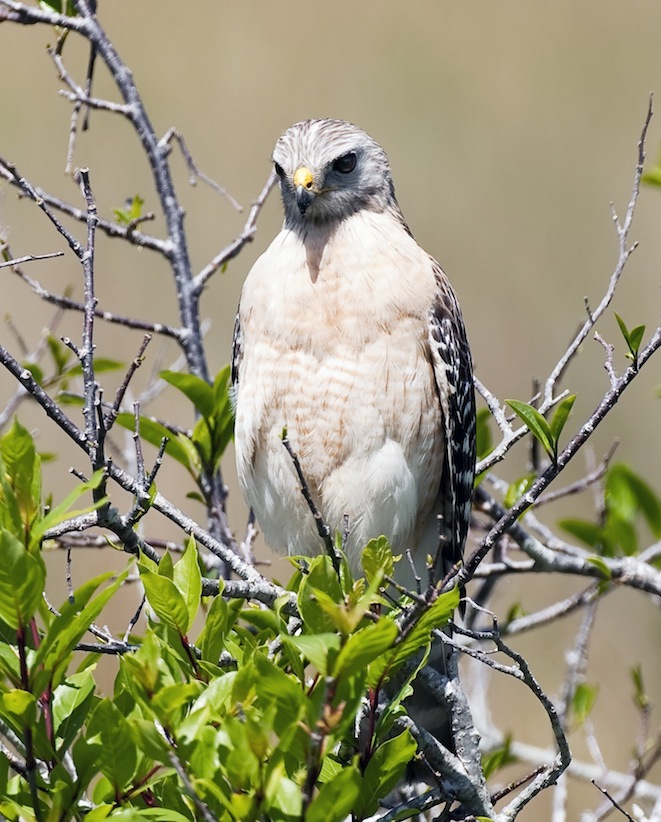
(303, 177)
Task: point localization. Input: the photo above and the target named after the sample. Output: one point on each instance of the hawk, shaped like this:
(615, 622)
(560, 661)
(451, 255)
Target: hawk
(350, 337)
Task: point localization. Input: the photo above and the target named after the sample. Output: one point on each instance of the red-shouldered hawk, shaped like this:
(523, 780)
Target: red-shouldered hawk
(349, 335)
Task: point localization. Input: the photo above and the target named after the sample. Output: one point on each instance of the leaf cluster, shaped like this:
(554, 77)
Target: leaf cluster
(251, 717)
(201, 449)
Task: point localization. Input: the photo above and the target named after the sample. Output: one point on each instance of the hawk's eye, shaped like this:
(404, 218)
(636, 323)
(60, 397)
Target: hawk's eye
(279, 170)
(346, 163)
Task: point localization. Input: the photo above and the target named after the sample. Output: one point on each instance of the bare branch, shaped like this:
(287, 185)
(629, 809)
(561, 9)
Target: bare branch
(195, 173)
(28, 258)
(244, 237)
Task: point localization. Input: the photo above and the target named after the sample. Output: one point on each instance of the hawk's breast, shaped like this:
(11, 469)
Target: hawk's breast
(336, 350)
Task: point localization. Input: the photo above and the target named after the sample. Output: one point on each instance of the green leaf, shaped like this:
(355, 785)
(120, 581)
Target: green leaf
(619, 534)
(132, 209)
(60, 353)
(635, 338)
(599, 563)
(653, 176)
(35, 370)
(436, 617)
(188, 579)
(583, 701)
(321, 578)
(515, 611)
(216, 627)
(165, 568)
(641, 700)
(316, 648)
(20, 706)
(199, 392)
(148, 740)
(377, 559)
(384, 771)
(23, 466)
(365, 646)
(495, 760)
(63, 511)
(623, 327)
(632, 338)
(101, 364)
(627, 494)
(536, 423)
(483, 436)
(72, 701)
(67, 629)
(110, 734)
(517, 489)
(276, 689)
(560, 417)
(587, 532)
(22, 579)
(165, 600)
(336, 798)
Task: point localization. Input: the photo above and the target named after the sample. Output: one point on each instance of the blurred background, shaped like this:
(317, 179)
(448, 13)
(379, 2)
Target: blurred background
(510, 127)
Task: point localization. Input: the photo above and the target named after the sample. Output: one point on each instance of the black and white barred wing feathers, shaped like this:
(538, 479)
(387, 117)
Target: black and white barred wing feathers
(451, 359)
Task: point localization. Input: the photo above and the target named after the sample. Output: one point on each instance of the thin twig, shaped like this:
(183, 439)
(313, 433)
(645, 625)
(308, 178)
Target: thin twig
(246, 236)
(194, 171)
(322, 529)
(29, 258)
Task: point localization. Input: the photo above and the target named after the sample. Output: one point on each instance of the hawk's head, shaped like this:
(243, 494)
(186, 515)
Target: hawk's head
(330, 169)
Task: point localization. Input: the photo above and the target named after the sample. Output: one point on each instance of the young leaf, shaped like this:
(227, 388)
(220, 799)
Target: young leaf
(321, 577)
(132, 210)
(22, 465)
(517, 489)
(632, 338)
(560, 417)
(165, 599)
(188, 579)
(218, 623)
(377, 559)
(101, 364)
(599, 563)
(22, 579)
(199, 392)
(536, 424)
(641, 699)
(497, 759)
(583, 701)
(275, 688)
(63, 510)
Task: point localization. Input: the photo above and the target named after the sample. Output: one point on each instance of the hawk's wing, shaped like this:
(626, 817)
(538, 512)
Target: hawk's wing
(237, 355)
(454, 383)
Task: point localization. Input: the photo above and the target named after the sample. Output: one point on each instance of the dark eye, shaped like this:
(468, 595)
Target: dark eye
(346, 163)
(279, 170)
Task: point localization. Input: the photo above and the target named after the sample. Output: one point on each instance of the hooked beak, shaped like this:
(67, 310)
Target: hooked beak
(304, 188)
